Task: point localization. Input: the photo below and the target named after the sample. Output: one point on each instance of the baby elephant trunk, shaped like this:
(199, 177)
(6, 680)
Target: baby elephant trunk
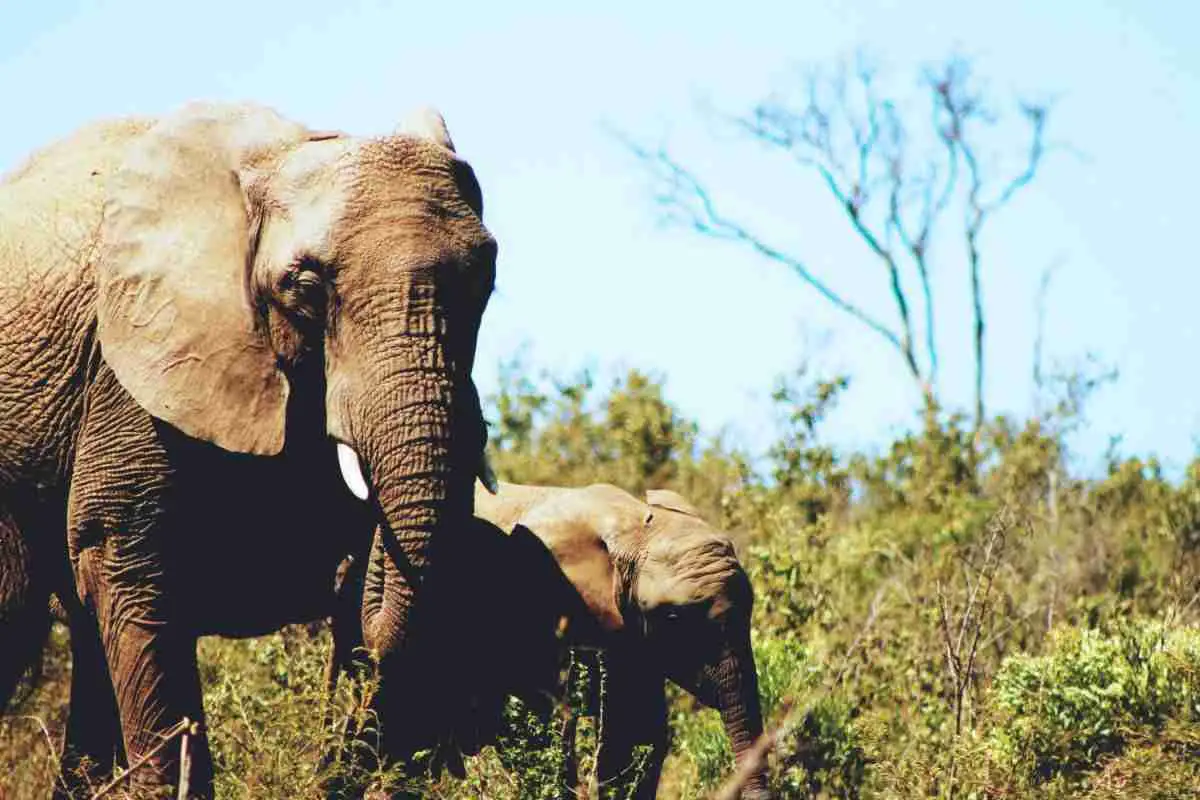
(738, 703)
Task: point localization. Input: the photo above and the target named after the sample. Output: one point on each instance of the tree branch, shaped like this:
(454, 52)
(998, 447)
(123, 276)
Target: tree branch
(807, 138)
(1039, 381)
(895, 189)
(687, 196)
(962, 110)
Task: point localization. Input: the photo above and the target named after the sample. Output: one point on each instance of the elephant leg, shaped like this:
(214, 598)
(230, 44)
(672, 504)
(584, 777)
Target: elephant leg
(633, 728)
(24, 609)
(119, 524)
(156, 682)
(92, 741)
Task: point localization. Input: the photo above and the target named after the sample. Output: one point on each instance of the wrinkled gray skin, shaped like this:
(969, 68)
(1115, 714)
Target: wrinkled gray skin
(654, 587)
(194, 311)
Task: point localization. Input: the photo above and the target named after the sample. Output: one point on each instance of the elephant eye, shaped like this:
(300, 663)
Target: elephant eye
(302, 291)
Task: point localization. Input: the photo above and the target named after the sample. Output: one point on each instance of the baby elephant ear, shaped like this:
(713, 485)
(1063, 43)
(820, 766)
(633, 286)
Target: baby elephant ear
(584, 560)
(673, 501)
(176, 320)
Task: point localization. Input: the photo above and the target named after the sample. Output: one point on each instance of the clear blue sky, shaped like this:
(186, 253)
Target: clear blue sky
(586, 274)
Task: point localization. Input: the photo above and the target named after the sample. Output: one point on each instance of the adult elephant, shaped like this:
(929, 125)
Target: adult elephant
(650, 584)
(202, 316)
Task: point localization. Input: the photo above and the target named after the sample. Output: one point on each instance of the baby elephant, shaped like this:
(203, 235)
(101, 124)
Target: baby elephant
(652, 586)
(669, 600)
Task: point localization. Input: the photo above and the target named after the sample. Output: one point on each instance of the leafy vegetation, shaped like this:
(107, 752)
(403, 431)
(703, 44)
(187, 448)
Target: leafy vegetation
(961, 614)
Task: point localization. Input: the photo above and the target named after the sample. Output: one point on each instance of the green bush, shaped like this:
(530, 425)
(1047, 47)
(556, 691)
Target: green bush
(1093, 694)
(853, 556)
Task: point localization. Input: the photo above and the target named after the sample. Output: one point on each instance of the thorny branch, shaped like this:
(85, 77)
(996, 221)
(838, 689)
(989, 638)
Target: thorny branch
(183, 729)
(49, 740)
(868, 624)
(963, 646)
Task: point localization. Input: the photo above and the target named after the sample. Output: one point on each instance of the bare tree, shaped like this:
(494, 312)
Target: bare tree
(962, 620)
(900, 177)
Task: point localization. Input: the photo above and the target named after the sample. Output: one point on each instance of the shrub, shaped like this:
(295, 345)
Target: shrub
(850, 554)
(1092, 695)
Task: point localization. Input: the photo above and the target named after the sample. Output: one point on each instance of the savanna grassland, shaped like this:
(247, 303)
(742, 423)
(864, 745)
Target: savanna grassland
(959, 613)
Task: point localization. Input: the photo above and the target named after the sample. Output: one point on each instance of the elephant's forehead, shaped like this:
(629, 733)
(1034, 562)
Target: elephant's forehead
(685, 568)
(679, 536)
(308, 195)
(409, 194)
(404, 168)
(316, 165)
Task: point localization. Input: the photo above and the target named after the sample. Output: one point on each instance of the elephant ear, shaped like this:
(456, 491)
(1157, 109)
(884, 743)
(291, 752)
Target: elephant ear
(428, 123)
(673, 501)
(583, 558)
(176, 319)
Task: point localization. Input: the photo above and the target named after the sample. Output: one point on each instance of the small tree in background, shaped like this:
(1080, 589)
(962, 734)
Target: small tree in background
(917, 185)
(564, 434)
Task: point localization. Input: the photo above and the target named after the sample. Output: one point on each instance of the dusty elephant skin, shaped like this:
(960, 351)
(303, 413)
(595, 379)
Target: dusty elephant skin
(202, 317)
(650, 584)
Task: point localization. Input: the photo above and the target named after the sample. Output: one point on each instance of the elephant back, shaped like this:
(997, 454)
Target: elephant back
(52, 204)
(51, 208)
(98, 146)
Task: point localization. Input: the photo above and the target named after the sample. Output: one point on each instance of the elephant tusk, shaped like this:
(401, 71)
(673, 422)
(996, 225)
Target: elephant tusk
(352, 471)
(486, 475)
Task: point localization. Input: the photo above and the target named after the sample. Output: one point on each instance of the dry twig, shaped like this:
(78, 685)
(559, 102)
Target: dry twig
(962, 645)
(184, 728)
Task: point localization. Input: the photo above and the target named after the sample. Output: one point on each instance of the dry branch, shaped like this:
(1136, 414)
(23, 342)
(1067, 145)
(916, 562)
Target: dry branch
(961, 637)
(183, 729)
(896, 177)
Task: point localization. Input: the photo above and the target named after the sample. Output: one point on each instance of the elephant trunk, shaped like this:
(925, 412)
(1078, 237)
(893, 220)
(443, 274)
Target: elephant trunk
(738, 702)
(422, 477)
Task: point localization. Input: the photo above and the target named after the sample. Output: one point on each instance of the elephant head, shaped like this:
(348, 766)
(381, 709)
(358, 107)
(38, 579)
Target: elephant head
(248, 264)
(694, 601)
